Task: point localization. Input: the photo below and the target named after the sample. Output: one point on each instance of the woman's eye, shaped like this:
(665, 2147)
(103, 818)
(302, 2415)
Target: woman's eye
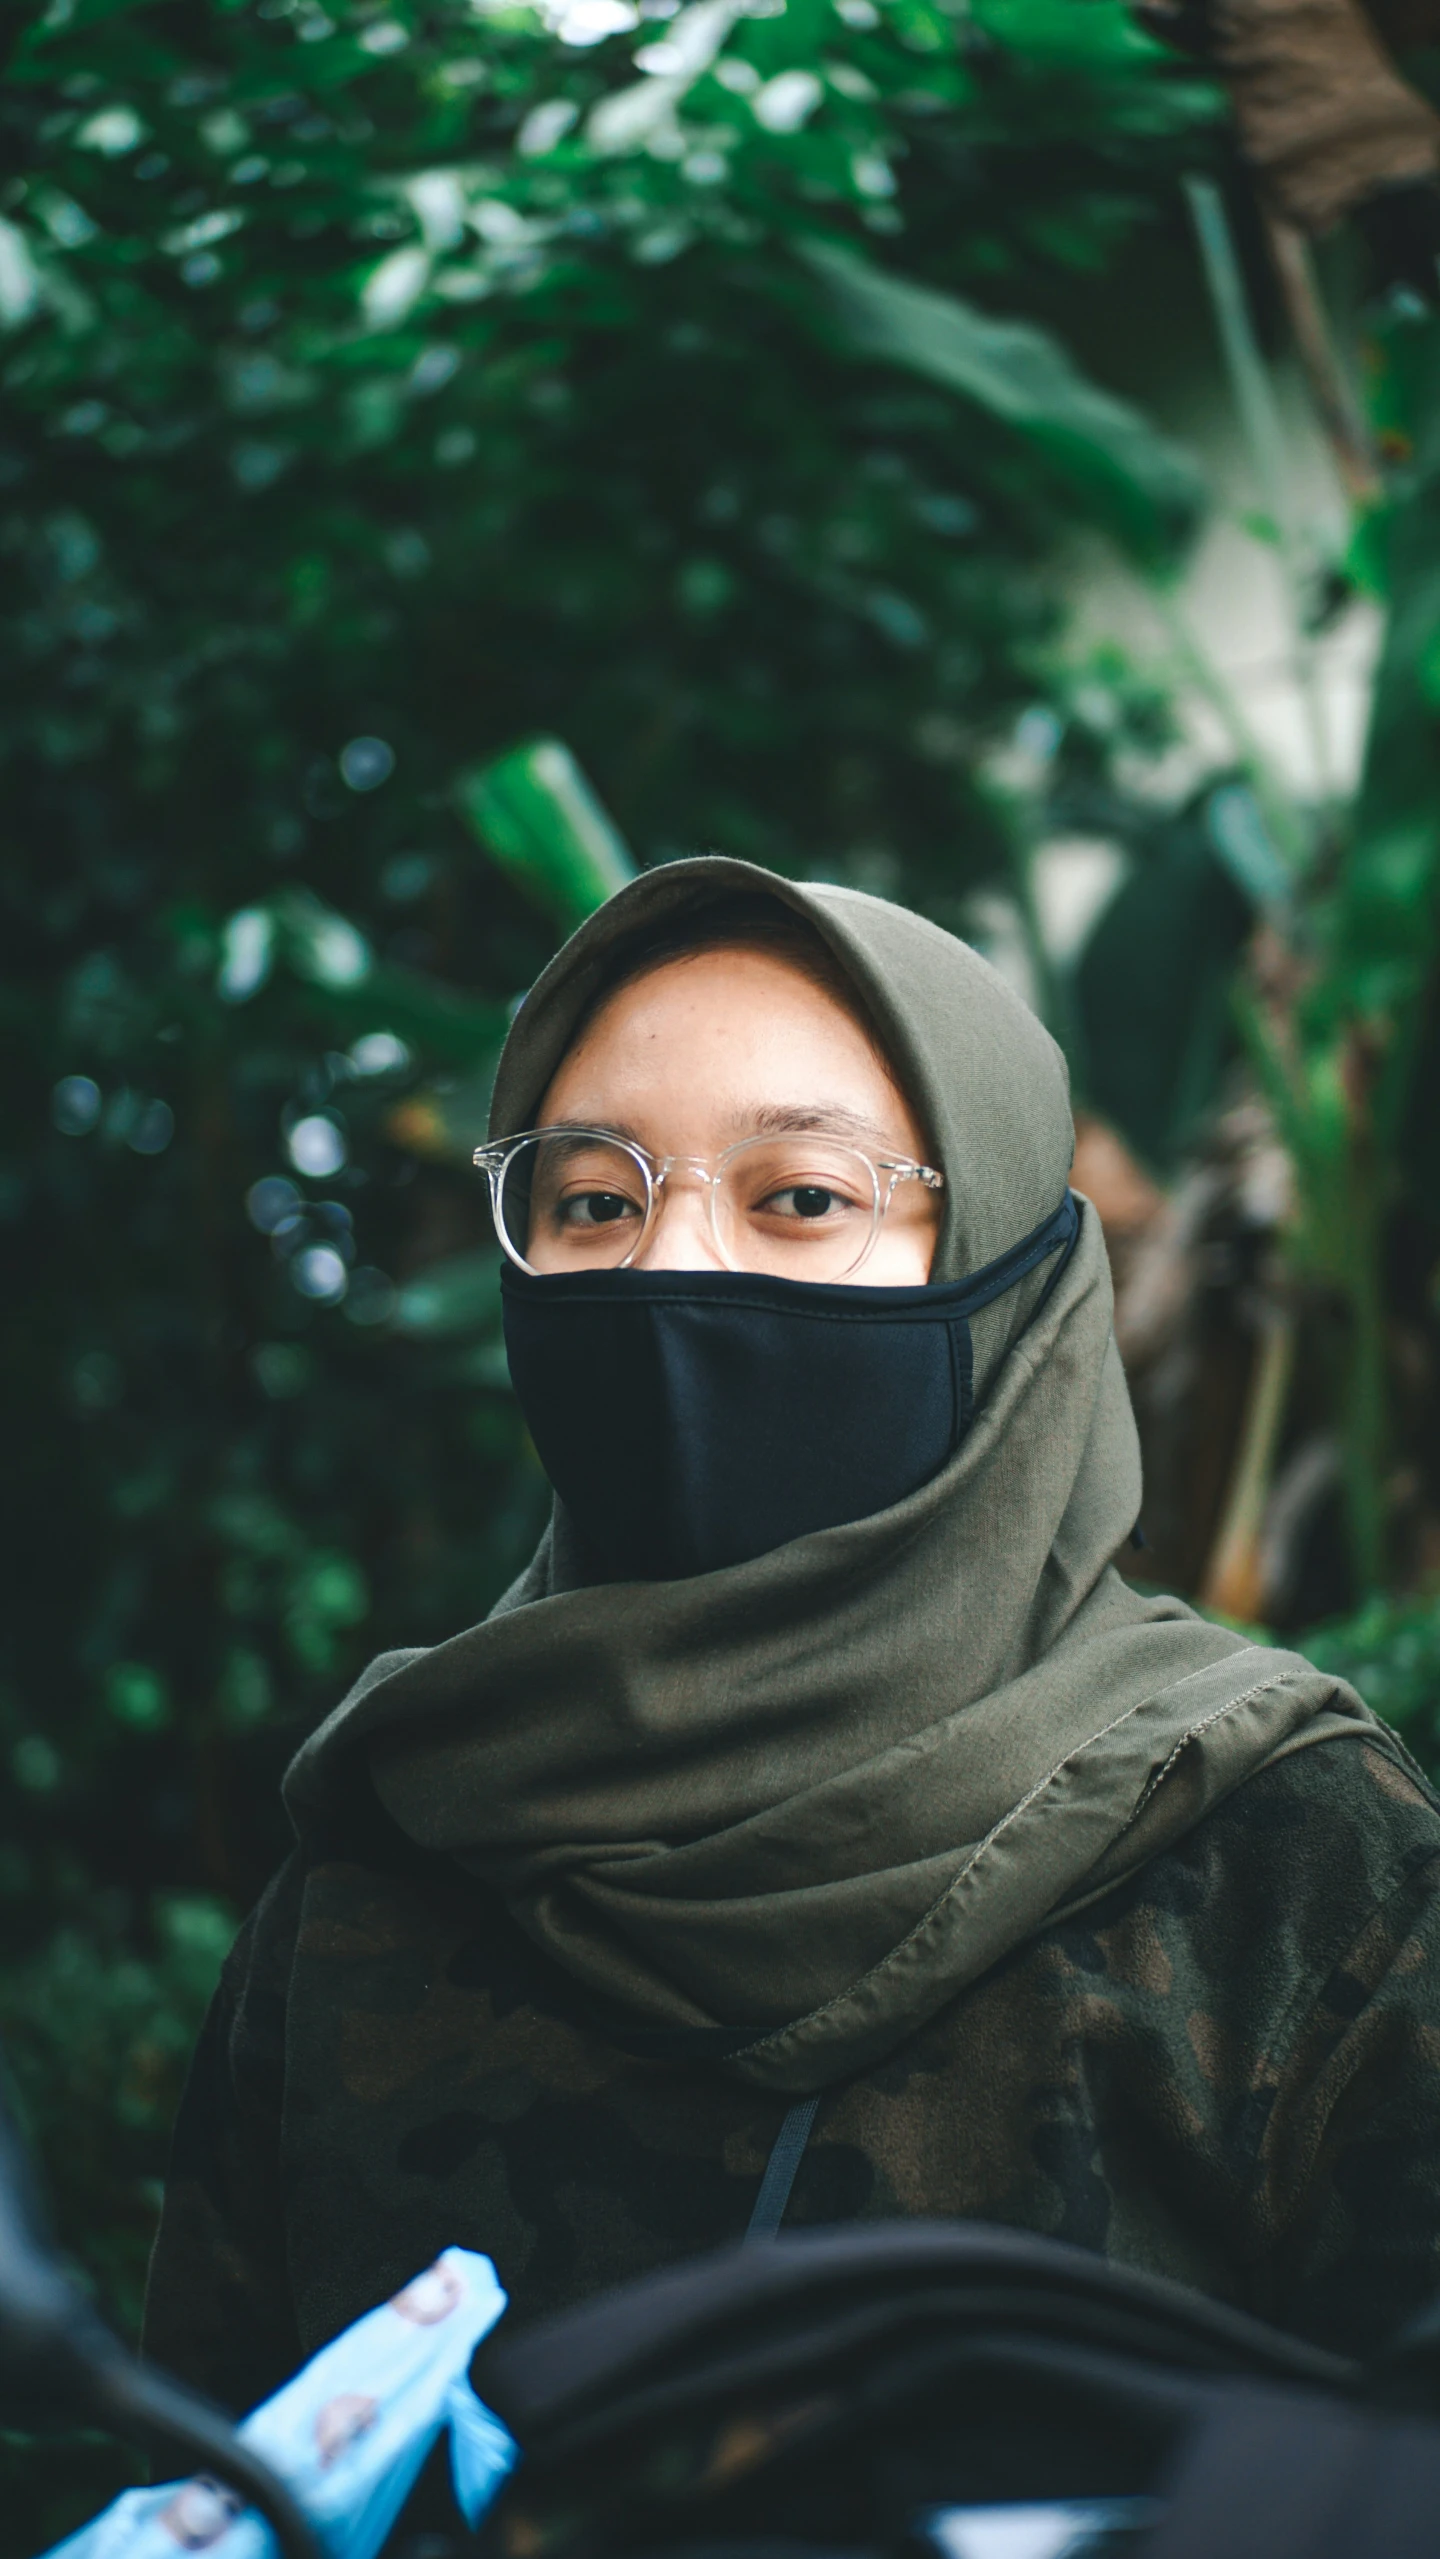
(806, 1200)
(596, 1208)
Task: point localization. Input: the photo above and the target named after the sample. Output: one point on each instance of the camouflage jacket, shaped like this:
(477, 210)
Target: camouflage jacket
(1228, 2072)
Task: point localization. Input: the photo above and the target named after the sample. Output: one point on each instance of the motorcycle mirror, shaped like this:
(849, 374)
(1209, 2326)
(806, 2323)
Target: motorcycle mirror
(60, 2364)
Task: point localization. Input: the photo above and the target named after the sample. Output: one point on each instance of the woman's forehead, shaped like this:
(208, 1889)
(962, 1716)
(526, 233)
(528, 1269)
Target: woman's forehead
(743, 1033)
(980, 1076)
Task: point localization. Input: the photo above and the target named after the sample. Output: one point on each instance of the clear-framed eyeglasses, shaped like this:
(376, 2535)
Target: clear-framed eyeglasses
(790, 1207)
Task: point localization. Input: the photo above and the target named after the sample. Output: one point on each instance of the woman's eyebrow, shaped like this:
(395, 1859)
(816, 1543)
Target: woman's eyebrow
(830, 1119)
(770, 1119)
(579, 1130)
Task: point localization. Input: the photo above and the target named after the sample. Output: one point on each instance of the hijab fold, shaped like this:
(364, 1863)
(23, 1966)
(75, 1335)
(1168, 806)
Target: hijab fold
(786, 1811)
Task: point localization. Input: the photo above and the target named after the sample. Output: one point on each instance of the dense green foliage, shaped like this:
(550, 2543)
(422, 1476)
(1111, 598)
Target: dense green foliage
(383, 386)
(367, 409)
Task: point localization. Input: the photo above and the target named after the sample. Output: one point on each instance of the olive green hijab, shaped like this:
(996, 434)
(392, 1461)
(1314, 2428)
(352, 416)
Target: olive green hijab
(781, 1813)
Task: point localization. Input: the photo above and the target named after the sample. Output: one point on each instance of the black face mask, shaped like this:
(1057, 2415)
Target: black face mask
(692, 1419)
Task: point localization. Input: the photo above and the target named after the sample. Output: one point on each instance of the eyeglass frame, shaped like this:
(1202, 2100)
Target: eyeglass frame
(496, 1155)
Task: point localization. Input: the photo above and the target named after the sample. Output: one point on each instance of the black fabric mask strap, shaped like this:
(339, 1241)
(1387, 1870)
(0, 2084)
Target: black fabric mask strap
(1056, 1234)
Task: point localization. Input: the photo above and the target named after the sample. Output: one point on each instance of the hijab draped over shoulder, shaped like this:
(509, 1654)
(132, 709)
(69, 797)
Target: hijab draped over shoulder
(780, 1814)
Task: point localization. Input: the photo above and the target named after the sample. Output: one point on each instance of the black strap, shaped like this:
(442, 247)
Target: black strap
(1054, 1234)
(779, 2175)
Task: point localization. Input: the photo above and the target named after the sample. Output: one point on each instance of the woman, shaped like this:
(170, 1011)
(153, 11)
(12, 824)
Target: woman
(821, 1752)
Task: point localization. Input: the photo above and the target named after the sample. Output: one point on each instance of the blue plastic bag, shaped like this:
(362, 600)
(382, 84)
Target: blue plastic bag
(1074, 2528)
(349, 2434)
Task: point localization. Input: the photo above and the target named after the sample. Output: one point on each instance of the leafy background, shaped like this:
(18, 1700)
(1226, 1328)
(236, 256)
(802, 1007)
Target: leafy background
(715, 393)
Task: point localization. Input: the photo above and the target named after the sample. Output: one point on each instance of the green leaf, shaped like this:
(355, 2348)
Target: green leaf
(351, 992)
(1244, 845)
(1146, 491)
(534, 811)
(1099, 36)
(321, 946)
(438, 1021)
(1390, 1649)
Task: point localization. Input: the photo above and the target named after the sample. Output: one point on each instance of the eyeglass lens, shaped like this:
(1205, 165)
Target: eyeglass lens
(794, 1207)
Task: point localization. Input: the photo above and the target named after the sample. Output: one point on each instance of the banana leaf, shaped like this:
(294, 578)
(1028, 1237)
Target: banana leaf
(1142, 489)
(537, 816)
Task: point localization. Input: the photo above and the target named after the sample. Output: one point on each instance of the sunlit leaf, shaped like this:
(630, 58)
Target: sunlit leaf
(535, 812)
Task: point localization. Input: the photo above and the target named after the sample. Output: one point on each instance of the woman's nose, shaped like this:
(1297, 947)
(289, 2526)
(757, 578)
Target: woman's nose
(681, 1237)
